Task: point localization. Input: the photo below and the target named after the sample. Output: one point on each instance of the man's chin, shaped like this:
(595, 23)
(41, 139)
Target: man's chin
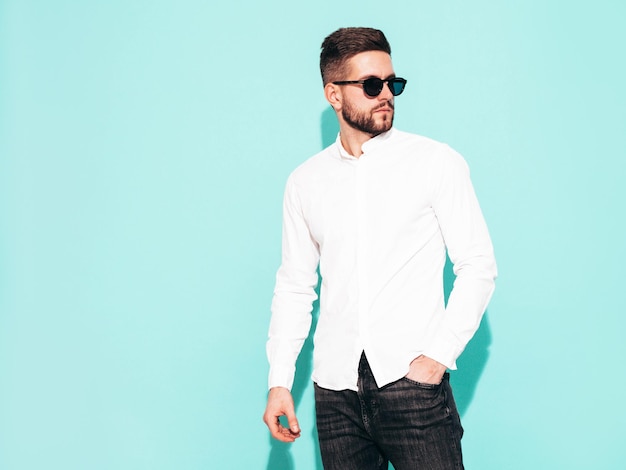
(380, 130)
(385, 126)
(384, 120)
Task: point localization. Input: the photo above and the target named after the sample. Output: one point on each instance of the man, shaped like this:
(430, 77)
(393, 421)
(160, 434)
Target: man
(376, 212)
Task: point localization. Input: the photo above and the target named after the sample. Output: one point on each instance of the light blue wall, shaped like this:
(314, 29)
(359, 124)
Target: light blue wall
(144, 146)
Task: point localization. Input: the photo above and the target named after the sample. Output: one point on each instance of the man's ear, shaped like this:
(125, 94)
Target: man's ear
(333, 95)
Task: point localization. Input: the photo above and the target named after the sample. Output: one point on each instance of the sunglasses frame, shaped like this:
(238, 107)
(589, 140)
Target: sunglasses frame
(375, 85)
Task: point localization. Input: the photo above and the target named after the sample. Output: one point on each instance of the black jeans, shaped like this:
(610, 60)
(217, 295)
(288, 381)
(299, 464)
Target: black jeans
(412, 425)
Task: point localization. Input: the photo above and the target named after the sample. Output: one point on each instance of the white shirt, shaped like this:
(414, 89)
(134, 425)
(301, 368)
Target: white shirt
(379, 226)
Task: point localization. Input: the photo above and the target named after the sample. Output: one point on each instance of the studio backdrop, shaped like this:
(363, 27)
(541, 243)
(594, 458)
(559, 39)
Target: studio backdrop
(144, 148)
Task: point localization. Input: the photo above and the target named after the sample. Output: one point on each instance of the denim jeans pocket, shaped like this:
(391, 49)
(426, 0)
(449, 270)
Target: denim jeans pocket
(422, 385)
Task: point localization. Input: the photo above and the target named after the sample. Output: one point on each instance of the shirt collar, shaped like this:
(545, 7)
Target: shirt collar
(369, 146)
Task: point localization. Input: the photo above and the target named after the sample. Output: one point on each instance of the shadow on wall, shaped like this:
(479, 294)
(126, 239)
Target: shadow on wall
(471, 365)
(472, 362)
(329, 126)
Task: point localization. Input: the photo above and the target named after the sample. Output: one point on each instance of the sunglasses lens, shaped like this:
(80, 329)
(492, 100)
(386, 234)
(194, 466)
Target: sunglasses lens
(396, 85)
(373, 86)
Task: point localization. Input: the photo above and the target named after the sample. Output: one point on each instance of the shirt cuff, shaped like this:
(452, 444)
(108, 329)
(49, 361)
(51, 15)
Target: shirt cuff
(281, 376)
(444, 353)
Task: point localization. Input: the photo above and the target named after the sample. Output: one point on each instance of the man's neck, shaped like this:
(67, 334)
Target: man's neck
(353, 140)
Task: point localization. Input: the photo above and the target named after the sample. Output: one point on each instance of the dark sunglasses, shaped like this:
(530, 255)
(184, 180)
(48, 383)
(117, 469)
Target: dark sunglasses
(373, 86)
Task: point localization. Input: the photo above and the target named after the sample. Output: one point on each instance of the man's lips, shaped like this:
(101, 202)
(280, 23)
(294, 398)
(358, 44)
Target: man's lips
(384, 108)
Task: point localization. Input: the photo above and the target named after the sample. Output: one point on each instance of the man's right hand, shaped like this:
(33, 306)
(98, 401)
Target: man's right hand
(280, 403)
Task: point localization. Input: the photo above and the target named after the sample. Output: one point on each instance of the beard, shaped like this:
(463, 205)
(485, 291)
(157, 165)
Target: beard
(365, 121)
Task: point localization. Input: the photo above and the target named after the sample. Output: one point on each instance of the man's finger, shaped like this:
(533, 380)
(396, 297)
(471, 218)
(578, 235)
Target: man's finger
(294, 427)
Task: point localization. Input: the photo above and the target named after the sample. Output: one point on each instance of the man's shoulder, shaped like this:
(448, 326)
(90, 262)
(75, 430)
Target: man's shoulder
(316, 165)
(418, 142)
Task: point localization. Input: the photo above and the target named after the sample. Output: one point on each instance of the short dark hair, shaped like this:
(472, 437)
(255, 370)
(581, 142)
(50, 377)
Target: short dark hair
(344, 44)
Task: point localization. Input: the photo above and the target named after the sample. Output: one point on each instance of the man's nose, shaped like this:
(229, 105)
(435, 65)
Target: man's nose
(385, 93)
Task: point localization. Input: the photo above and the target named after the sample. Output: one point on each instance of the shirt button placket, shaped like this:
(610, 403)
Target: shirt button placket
(362, 248)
